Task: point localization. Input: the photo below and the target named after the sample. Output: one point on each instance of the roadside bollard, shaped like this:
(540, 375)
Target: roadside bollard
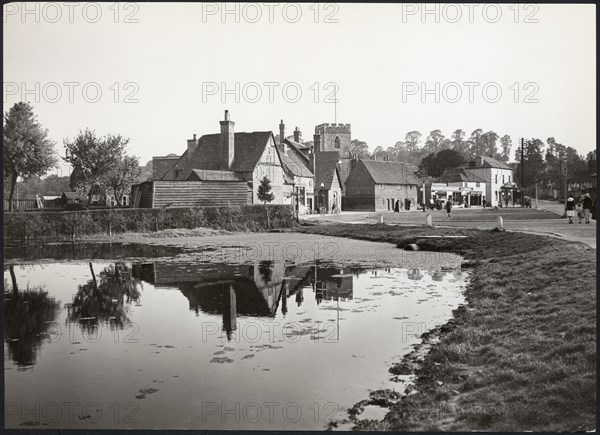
(428, 220)
(500, 226)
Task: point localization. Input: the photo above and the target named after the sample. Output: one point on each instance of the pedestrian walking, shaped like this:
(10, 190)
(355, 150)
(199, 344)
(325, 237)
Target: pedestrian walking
(449, 208)
(407, 204)
(579, 211)
(397, 207)
(587, 207)
(483, 202)
(570, 208)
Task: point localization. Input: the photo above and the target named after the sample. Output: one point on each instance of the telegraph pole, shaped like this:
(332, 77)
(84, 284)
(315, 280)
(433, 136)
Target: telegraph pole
(522, 171)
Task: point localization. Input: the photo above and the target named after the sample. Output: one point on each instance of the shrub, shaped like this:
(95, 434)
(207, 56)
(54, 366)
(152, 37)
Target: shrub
(47, 225)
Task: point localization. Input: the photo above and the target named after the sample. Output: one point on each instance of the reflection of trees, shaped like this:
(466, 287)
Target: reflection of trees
(28, 315)
(103, 300)
(265, 268)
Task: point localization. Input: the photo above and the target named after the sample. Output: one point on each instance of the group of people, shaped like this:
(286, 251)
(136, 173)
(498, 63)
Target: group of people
(584, 208)
(399, 205)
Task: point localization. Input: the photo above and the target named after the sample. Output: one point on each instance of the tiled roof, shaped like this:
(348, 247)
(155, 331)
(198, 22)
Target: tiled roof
(298, 145)
(213, 175)
(249, 147)
(326, 168)
(458, 175)
(487, 162)
(295, 164)
(390, 172)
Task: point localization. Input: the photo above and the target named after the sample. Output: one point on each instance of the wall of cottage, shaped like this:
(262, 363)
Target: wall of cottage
(269, 165)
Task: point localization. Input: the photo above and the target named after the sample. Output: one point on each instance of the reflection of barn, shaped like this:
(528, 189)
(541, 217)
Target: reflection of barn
(229, 290)
(247, 290)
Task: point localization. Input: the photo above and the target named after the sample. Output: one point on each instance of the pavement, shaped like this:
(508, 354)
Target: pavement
(546, 220)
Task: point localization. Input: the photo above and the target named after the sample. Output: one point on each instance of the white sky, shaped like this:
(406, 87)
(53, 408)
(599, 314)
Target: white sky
(371, 52)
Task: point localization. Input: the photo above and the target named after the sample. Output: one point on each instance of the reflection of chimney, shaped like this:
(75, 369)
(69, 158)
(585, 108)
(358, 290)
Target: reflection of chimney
(227, 138)
(284, 297)
(191, 145)
(317, 141)
(229, 311)
(281, 131)
(297, 135)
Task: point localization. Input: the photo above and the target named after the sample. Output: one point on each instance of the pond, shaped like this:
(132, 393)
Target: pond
(179, 342)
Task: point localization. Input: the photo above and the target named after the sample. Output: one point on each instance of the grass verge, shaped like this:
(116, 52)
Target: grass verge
(519, 355)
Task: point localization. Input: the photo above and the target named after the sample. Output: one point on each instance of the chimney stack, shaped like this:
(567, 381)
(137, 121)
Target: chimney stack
(311, 159)
(226, 141)
(297, 135)
(191, 145)
(317, 141)
(281, 131)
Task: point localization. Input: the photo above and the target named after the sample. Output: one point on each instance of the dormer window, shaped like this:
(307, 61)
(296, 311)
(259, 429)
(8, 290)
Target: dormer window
(177, 172)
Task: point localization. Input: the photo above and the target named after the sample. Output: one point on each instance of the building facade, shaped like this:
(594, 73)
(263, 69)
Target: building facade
(215, 169)
(378, 185)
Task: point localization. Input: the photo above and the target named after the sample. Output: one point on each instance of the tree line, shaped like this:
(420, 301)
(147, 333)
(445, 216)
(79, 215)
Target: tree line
(101, 165)
(541, 160)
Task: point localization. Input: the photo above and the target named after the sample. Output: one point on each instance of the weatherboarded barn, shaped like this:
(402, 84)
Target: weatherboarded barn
(376, 186)
(217, 169)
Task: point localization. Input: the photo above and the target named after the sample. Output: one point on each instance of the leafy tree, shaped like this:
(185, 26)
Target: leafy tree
(535, 167)
(359, 149)
(434, 141)
(121, 176)
(458, 142)
(93, 157)
(475, 143)
(264, 191)
(379, 153)
(27, 150)
(412, 141)
(436, 164)
(505, 144)
(488, 143)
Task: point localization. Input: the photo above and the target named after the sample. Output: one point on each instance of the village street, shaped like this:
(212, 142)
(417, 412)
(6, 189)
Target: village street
(546, 220)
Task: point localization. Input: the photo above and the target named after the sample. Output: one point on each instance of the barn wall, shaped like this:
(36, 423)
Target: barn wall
(199, 193)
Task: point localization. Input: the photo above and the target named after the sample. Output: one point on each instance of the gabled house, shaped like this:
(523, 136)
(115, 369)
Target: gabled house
(495, 174)
(298, 175)
(328, 182)
(216, 169)
(461, 186)
(377, 185)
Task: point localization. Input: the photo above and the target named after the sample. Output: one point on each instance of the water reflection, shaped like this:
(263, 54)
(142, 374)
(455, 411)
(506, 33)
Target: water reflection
(258, 290)
(28, 317)
(104, 300)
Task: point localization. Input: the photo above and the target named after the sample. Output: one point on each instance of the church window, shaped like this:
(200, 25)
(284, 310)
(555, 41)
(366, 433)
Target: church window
(337, 141)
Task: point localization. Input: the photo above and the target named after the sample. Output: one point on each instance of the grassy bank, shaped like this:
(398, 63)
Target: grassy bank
(519, 355)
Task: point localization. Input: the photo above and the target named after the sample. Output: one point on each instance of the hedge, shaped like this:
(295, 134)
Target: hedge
(48, 226)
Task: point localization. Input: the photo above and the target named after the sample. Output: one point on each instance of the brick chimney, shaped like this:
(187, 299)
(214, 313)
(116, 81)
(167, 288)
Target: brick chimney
(226, 141)
(317, 141)
(192, 144)
(281, 132)
(311, 159)
(297, 135)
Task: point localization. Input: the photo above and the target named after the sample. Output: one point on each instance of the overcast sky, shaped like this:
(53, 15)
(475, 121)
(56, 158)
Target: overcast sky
(167, 71)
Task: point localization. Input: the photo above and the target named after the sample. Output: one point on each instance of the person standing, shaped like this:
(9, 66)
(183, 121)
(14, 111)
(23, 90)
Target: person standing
(570, 208)
(587, 207)
(449, 208)
(397, 206)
